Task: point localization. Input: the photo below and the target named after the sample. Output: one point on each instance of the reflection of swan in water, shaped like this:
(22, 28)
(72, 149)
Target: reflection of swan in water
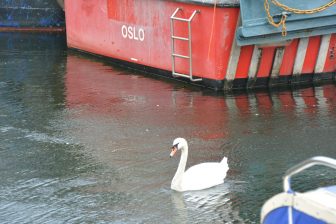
(201, 176)
(208, 206)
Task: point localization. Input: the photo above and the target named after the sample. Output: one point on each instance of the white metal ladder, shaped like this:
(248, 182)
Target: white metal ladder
(188, 39)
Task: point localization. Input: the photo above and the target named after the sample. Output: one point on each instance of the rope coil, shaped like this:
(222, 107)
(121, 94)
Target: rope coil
(293, 10)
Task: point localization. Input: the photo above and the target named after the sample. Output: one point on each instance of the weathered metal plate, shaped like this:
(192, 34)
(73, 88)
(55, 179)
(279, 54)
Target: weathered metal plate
(256, 29)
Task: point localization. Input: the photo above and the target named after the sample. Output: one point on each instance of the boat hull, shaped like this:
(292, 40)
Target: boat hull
(139, 34)
(31, 15)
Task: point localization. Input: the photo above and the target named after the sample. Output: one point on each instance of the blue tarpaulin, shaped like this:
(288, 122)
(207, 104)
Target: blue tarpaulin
(280, 216)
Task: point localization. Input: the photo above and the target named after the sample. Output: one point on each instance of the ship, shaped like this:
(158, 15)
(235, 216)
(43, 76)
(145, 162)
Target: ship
(221, 44)
(32, 15)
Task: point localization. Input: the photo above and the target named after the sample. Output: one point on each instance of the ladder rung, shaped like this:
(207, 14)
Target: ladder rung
(180, 56)
(180, 38)
(181, 75)
(180, 19)
(188, 38)
(186, 76)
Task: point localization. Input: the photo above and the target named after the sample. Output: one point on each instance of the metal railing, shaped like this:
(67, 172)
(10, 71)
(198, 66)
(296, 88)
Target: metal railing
(319, 160)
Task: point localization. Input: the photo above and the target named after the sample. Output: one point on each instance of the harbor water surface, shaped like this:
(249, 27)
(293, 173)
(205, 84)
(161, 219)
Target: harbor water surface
(85, 141)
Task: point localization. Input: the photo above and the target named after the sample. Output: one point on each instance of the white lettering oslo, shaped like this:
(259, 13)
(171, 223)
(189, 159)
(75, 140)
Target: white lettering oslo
(132, 33)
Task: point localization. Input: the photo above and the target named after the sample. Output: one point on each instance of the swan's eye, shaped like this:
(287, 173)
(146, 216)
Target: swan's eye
(175, 146)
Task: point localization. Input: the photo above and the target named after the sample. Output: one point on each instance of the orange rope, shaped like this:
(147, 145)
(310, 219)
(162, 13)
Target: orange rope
(212, 27)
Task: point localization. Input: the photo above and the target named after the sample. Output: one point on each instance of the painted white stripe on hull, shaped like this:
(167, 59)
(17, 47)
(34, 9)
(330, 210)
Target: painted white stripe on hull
(300, 56)
(234, 57)
(323, 52)
(277, 62)
(254, 62)
(233, 61)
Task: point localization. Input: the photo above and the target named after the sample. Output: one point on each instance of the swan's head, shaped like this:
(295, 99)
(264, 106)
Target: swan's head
(178, 144)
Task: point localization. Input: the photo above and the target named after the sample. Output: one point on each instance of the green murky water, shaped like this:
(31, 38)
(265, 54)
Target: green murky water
(82, 141)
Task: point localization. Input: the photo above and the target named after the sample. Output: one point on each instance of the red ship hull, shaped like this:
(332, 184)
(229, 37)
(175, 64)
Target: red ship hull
(139, 33)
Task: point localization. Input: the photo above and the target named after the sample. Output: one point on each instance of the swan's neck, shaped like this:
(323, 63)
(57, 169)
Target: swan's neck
(177, 180)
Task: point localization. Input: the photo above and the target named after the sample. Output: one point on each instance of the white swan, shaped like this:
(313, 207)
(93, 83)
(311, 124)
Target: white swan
(198, 177)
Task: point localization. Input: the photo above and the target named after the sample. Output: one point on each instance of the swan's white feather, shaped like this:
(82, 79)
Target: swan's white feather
(204, 175)
(198, 177)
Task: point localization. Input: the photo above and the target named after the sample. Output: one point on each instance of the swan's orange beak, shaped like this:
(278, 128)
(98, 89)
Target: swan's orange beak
(174, 150)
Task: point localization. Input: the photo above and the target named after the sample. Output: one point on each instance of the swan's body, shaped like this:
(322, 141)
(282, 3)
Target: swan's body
(198, 177)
